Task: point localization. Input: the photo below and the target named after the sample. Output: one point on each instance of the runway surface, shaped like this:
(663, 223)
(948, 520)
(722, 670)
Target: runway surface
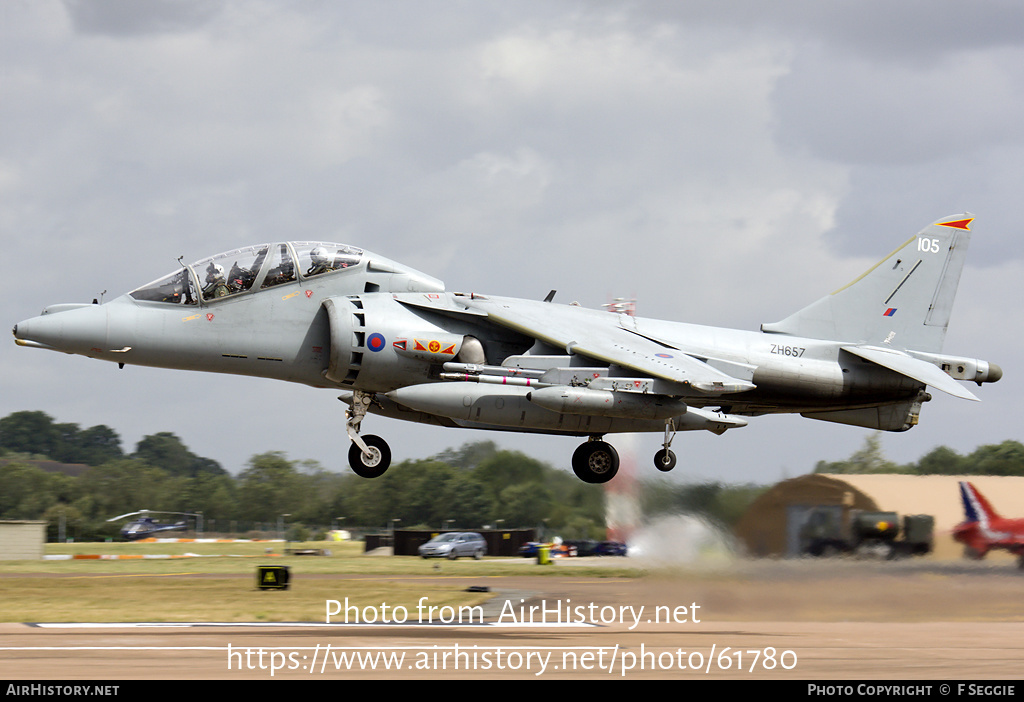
(796, 620)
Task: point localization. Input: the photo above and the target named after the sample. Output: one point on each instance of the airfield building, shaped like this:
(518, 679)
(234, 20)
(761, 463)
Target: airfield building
(22, 539)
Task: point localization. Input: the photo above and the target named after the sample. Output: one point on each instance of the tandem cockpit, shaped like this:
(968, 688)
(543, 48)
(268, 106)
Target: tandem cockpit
(248, 269)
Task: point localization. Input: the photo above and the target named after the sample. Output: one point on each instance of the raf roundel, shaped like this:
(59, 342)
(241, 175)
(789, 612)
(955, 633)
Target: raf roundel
(376, 342)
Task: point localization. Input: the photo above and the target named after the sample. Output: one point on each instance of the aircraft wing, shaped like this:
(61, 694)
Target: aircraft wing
(921, 371)
(600, 336)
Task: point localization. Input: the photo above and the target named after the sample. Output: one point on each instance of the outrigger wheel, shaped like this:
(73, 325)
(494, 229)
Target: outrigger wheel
(665, 460)
(595, 462)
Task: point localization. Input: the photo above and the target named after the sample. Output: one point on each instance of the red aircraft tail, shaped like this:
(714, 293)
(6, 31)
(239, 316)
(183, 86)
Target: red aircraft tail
(976, 507)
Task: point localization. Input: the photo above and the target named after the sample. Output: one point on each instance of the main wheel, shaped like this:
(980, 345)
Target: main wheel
(374, 465)
(973, 553)
(595, 462)
(665, 460)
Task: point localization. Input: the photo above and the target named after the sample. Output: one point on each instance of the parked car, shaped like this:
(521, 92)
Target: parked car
(455, 544)
(582, 547)
(610, 548)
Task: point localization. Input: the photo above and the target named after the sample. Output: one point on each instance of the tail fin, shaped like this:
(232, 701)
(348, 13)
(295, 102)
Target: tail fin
(976, 507)
(904, 301)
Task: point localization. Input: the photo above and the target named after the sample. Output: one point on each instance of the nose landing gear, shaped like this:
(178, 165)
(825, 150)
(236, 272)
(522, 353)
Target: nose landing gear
(369, 456)
(372, 462)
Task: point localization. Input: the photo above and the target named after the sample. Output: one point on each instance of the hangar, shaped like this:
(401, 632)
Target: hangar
(771, 525)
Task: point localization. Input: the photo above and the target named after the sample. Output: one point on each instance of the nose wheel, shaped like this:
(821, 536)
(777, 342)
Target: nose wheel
(595, 462)
(374, 461)
(369, 456)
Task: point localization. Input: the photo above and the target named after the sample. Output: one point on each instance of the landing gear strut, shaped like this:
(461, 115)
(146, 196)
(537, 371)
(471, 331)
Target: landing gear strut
(595, 461)
(368, 456)
(665, 460)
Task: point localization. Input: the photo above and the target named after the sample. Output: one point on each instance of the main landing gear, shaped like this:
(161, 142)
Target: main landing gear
(369, 456)
(595, 461)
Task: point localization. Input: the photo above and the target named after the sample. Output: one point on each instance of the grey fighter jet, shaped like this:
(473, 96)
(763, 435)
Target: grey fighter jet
(396, 342)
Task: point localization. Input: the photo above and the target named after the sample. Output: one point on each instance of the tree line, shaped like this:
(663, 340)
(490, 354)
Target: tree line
(469, 487)
(1006, 458)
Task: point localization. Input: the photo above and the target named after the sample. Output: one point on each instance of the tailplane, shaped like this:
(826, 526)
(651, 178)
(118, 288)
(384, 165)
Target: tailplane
(903, 302)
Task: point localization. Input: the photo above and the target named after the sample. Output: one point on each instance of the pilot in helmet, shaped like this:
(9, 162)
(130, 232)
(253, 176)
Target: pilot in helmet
(216, 286)
(322, 261)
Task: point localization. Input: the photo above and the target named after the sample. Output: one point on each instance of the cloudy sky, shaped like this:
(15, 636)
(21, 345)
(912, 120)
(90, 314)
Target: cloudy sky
(725, 163)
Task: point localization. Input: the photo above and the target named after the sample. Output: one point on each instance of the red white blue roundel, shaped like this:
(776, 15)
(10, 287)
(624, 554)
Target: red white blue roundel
(376, 342)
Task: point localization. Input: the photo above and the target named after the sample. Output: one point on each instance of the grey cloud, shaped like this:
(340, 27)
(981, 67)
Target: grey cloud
(914, 31)
(854, 111)
(132, 17)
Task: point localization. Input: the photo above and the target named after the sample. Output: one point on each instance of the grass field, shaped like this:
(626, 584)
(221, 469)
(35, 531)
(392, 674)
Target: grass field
(219, 583)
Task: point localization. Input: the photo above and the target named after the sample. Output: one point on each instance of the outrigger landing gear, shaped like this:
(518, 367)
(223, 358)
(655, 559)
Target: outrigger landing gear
(368, 456)
(595, 461)
(665, 459)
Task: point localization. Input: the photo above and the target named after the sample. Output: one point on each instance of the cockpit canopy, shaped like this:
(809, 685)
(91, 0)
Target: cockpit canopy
(250, 268)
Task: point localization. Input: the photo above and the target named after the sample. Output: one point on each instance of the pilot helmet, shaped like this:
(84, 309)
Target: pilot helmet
(214, 272)
(320, 256)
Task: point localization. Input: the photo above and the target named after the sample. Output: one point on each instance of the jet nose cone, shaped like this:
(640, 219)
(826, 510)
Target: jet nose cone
(69, 328)
(28, 334)
(23, 335)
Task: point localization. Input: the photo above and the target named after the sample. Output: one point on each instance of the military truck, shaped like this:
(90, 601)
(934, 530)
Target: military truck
(828, 531)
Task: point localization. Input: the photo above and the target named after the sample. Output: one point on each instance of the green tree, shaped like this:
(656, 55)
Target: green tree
(26, 491)
(525, 505)
(125, 485)
(1006, 458)
(466, 502)
(270, 487)
(469, 455)
(868, 459)
(165, 450)
(74, 521)
(35, 433)
(97, 445)
(30, 433)
(940, 461)
(507, 468)
(320, 492)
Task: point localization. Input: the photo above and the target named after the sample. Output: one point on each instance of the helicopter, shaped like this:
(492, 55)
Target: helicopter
(145, 526)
